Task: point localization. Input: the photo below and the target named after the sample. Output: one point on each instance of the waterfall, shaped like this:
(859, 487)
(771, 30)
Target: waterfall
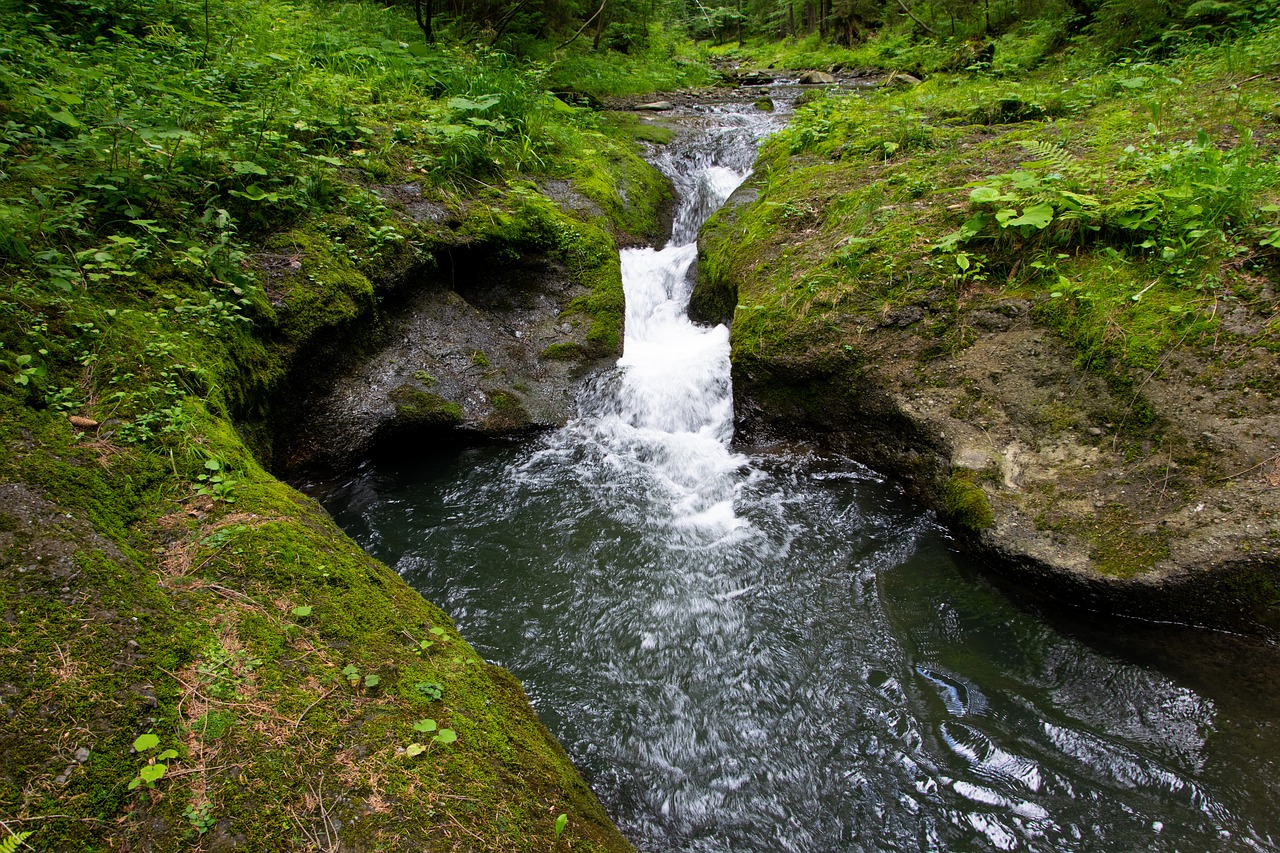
(668, 408)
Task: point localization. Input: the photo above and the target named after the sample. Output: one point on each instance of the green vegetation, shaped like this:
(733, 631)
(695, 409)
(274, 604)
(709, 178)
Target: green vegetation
(1086, 198)
(190, 195)
(1039, 177)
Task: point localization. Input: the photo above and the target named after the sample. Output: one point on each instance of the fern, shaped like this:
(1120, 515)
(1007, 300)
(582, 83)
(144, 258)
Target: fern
(1055, 157)
(13, 842)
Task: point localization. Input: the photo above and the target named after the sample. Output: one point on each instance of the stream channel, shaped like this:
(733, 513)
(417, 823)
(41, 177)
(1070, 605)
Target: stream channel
(774, 649)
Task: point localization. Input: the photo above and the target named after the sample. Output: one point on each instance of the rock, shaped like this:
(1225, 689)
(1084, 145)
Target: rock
(765, 105)
(901, 79)
(657, 106)
(82, 754)
(817, 78)
(903, 317)
(754, 78)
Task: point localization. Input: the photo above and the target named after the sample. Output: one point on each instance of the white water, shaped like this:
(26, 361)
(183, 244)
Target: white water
(669, 407)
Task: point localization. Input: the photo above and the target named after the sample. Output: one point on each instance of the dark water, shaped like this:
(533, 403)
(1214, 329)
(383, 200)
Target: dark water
(827, 675)
(778, 652)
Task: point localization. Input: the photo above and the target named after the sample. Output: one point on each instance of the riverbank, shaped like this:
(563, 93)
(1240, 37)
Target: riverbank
(1048, 306)
(192, 654)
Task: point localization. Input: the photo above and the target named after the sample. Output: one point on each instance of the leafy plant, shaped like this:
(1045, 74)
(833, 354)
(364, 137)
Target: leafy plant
(15, 840)
(201, 817)
(438, 636)
(153, 771)
(427, 726)
(561, 822)
(216, 483)
(430, 689)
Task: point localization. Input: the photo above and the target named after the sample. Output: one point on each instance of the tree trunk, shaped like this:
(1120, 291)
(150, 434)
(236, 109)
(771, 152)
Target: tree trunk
(423, 16)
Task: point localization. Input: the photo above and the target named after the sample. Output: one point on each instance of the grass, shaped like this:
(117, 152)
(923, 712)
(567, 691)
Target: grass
(872, 200)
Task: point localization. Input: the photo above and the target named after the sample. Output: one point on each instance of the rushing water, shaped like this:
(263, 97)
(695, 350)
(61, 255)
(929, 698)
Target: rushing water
(778, 652)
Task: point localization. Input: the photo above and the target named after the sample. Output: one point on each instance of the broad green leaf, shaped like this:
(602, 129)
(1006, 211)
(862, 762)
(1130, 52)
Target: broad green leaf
(1037, 216)
(445, 736)
(469, 105)
(414, 749)
(145, 742)
(424, 726)
(561, 822)
(167, 754)
(302, 611)
(152, 773)
(246, 167)
(371, 680)
(64, 117)
(984, 195)
(1025, 180)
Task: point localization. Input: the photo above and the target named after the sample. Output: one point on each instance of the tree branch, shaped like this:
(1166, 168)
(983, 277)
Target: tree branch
(927, 28)
(582, 28)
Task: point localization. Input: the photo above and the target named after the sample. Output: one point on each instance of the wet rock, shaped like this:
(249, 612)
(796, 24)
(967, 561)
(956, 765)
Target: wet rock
(816, 78)
(657, 106)
(491, 354)
(755, 77)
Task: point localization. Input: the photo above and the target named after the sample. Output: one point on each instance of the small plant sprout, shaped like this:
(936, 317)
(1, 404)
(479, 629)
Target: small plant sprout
(561, 822)
(437, 636)
(371, 681)
(351, 674)
(302, 611)
(215, 483)
(153, 771)
(202, 819)
(430, 689)
(441, 736)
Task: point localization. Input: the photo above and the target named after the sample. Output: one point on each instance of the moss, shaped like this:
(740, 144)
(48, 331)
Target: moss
(1117, 549)
(422, 408)
(562, 351)
(966, 502)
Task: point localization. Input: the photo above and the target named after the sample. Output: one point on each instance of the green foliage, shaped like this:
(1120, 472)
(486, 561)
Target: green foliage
(562, 821)
(200, 816)
(155, 768)
(15, 841)
(440, 736)
(430, 689)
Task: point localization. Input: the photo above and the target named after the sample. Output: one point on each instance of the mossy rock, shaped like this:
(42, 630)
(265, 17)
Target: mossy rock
(415, 407)
(966, 502)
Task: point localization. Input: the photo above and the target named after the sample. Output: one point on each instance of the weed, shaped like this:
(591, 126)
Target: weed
(201, 817)
(153, 771)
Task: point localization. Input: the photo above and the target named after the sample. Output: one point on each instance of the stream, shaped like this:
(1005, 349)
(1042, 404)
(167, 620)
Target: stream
(774, 649)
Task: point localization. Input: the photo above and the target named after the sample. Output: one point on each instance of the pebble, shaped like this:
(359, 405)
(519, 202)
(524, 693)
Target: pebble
(82, 754)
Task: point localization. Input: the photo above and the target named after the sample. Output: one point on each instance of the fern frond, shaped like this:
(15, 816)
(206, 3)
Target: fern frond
(13, 842)
(1055, 157)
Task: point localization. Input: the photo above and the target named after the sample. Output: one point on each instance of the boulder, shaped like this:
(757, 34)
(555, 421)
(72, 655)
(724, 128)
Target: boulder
(817, 78)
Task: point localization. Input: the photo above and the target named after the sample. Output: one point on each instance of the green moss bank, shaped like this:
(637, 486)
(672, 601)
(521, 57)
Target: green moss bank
(160, 302)
(979, 301)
